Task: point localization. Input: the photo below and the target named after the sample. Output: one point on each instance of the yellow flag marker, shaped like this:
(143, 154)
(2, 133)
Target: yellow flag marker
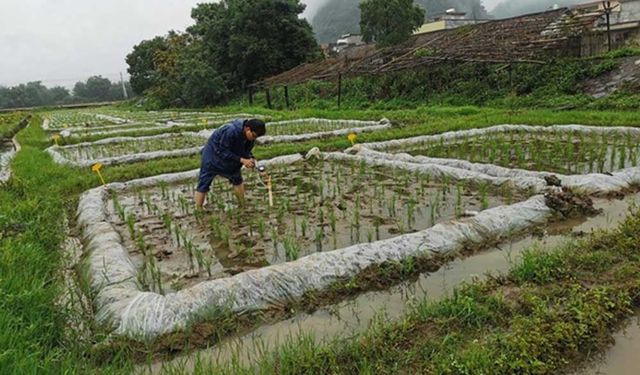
(352, 138)
(96, 168)
(56, 137)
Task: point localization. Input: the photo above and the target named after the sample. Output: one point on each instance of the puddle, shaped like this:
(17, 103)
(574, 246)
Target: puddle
(622, 358)
(351, 317)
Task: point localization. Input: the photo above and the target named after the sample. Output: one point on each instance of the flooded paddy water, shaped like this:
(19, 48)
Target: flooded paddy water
(554, 152)
(345, 319)
(317, 207)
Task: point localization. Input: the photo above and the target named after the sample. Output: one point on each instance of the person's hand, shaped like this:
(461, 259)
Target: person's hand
(248, 163)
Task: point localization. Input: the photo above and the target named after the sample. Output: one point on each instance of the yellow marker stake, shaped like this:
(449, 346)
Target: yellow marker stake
(270, 191)
(55, 138)
(96, 168)
(352, 138)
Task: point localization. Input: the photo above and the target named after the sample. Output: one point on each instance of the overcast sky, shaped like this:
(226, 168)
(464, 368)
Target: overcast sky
(60, 42)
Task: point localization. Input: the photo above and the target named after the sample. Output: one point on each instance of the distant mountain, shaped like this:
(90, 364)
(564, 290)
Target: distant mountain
(339, 17)
(512, 8)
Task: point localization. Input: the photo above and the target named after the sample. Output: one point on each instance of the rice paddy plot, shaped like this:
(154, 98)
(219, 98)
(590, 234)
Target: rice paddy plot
(69, 119)
(316, 208)
(112, 149)
(110, 122)
(318, 125)
(557, 152)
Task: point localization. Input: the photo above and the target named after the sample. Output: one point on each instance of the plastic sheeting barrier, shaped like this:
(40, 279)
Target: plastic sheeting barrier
(128, 310)
(5, 161)
(352, 126)
(592, 183)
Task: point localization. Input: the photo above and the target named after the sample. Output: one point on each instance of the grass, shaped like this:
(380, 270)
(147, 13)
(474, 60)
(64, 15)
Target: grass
(544, 317)
(11, 123)
(34, 337)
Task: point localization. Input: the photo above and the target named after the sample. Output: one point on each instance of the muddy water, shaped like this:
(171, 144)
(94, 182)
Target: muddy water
(350, 317)
(622, 358)
(316, 208)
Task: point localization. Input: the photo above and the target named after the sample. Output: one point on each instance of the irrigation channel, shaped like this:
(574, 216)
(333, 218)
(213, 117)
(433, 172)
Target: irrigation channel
(348, 318)
(622, 358)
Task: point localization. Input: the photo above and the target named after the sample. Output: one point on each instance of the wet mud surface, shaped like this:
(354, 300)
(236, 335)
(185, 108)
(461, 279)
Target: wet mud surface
(347, 318)
(317, 207)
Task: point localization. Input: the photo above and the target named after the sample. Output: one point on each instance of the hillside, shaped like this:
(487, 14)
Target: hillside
(512, 8)
(339, 17)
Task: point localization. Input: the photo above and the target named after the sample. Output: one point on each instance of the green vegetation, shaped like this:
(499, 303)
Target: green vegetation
(539, 150)
(389, 22)
(10, 124)
(557, 85)
(36, 336)
(338, 17)
(233, 43)
(543, 317)
(35, 94)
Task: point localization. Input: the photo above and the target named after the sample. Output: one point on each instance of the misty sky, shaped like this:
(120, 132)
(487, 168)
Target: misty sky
(60, 42)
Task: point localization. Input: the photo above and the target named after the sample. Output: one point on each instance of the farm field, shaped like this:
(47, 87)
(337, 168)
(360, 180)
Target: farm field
(552, 150)
(171, 143)
(317, 206)
(160, 279)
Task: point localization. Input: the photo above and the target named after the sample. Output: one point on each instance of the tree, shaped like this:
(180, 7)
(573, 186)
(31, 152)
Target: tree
(58, 95)
(98, 88)
(201, 83)
(337, 17)
(389, 22)
(80, 90)
(248, 40)
(167, 81)
(32, 94)
(232, 44)
(142, 67)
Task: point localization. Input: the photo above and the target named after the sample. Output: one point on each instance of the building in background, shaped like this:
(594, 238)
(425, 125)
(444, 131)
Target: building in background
(624, 25)
(451, 19)
(347, 41)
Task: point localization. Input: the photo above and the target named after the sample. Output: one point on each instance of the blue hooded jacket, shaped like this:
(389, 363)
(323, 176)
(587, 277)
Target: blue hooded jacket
(227, 145)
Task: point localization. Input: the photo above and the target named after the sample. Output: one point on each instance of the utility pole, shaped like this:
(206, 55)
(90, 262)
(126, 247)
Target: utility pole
(124, 88)
(606, 5)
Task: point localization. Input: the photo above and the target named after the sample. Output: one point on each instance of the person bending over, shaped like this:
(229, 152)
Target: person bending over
(227, 150)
